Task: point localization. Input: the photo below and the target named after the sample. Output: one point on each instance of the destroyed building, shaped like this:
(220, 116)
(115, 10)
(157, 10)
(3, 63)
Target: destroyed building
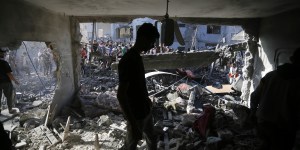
(83, 113)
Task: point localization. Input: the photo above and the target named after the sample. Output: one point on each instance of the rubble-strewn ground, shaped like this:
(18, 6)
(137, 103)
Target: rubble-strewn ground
(178, 103)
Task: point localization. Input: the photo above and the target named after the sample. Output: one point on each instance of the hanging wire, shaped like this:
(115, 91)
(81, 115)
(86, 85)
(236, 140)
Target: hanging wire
(34, 66)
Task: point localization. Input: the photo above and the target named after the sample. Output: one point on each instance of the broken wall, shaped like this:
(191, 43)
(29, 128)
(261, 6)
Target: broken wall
(21, 21)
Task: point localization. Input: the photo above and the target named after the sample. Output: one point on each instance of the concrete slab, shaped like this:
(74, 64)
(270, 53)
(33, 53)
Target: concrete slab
(177, 60)
(5, 115)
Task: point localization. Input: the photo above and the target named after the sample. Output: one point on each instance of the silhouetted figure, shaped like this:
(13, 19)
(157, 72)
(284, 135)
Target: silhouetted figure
(132, 92)
(6, 143)
(275, 103)
(6, 78)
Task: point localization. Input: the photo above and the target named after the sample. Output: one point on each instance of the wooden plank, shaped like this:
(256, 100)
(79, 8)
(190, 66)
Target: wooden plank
(40, 130)
(226, 88)
(50, 136)
(56, 132)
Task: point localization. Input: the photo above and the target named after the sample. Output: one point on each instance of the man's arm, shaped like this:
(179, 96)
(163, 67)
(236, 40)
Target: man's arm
(12, 78)
(123, 100)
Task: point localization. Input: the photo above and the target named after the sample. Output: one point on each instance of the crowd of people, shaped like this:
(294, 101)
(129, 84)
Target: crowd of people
(102, 52)
(106, 52)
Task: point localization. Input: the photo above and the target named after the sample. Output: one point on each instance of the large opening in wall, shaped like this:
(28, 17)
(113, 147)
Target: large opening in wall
(110, 38)
(174, 91)
(34, 65)
(104, 44)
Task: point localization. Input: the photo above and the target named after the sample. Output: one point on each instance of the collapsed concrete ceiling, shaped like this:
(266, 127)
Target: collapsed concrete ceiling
(177, 8)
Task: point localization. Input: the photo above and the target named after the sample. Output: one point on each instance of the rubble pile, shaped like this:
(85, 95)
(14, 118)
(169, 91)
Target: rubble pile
(187, 116)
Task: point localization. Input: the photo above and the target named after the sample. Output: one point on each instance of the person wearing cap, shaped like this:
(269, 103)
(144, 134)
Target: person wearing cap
(132, 92)
(6, 78)
(275, 106)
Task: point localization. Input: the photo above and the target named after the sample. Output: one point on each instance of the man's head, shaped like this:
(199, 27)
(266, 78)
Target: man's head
(146, 36)
(295, 58)
(2, 53)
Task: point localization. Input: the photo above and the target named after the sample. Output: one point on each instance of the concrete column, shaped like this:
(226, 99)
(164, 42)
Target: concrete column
(69, 71)
(251, 30)
(30, 23)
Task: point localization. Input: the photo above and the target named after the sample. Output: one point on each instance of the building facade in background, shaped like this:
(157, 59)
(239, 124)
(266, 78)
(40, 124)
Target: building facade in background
(197, 37)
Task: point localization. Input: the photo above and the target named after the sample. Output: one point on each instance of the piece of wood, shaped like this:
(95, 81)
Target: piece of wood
(96, 143)
(56, 132)
(52, 114)
(50, 136)
(226, 88)
(47, 116)
(67, 128)
(21, 144)
(43, 130)
(116, 127)
(62, 126)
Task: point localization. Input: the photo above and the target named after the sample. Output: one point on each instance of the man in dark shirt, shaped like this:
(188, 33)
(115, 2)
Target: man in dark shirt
(132, 92)
(5, 81)
(275, 103)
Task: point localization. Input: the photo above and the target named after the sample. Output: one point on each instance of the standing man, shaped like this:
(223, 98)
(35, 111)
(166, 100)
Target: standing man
(275, 104)
(40, 65)
(47, 61)
(132, 92)
(25, 63)
(5, 81)
(83, 54)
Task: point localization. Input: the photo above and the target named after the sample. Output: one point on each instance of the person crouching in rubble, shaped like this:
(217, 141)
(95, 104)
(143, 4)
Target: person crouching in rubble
(233, 73)
(132, 92)
(275, 106)
(5, 81)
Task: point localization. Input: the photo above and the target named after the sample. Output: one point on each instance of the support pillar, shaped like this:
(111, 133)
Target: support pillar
(251, 29)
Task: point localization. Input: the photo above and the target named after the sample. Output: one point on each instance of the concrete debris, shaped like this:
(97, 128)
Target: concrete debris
(177, 103)
(104, 120)
(21, 144)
